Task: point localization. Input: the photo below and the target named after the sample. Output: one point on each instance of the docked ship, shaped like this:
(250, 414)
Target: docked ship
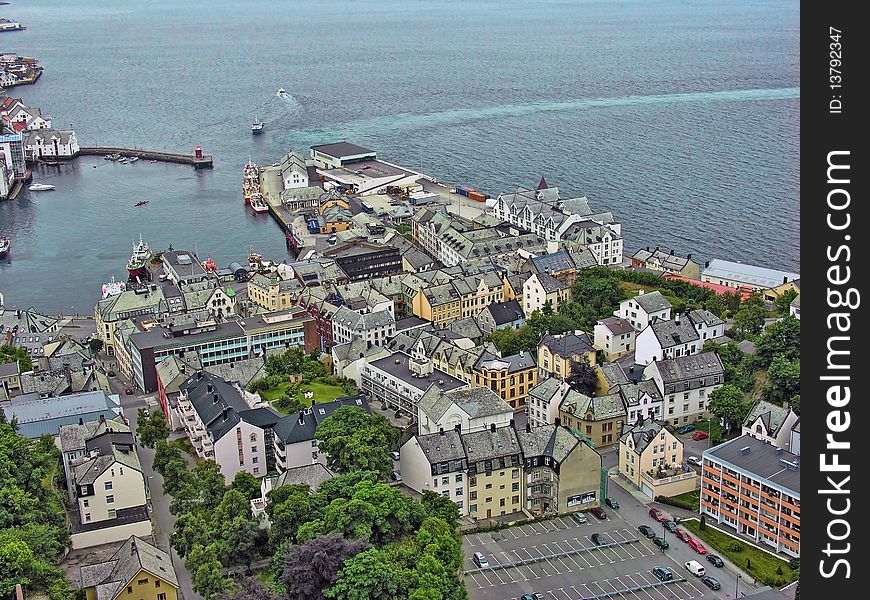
(5, 244)
(258, 203)
(137, 266)
(209, 265)
(250, 181)
(113, 288)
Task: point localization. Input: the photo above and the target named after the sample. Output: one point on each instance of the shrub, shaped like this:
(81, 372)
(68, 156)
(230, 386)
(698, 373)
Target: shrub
(703, 523)
(735, 547)
(794, 564)
(779, 571)
(748, 564)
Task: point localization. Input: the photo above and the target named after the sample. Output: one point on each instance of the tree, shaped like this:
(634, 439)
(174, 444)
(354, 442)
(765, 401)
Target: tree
(375, 512)
(355, 441)
(784, 380)
(9, 353)
(205, 572)
(437, 505)
(729, 403)
(209, 484)
(780, 338)
(240, 536)
(583, 377)
(246, 484)
(738, 371)
(783, 303)
(249, 588)
(313, 567)
(749, 320)
(289, 507)
(95, 346)
(151, 427)
(367, 576)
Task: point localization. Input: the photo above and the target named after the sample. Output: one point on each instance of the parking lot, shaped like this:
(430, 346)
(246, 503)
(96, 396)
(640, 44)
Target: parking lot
(561, 561)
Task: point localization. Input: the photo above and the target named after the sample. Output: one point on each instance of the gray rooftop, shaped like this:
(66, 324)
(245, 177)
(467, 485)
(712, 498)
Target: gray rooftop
(567, 345)
(693, 366)
(40, 416)
(133, 556)
(487, 444)
(476, 402)
(642, 435)
(753, 275)
(672, 333)
(772, 415)
(601, 407)
(706, 317)
(548, 440)
(341, 149)
(310, 475)
(513, 363)
(505, 312)
(617, 325)
(652, 301)
(442, 447)
(401, 371)
(761, 459)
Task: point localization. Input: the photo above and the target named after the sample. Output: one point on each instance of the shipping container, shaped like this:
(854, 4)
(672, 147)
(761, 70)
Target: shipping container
(476, 196)
(464, 190)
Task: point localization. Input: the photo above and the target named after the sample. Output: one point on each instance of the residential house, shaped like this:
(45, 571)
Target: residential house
(686, 383)
(511, 377)
(754, 488)
(136, 570)
(10, 379)
(469, 409)
(310, 476)
(659, 260)
(501, 315)
(541, 289)
(107, 483)
(666, 339)
(794, 444)
(737, 275)
(707, 325)
(350, 359)
(556, 353)
(642, 401)
(795, 307)
(651, 458)
(641, 309)
(598, 419)
(542, 405)
(770, 295)
(374, 328)
(558, 264)
(770, 423)
(614, 337)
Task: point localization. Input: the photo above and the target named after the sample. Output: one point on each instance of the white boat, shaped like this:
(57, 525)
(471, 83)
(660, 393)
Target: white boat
(281, 92)
(257, 126)
(113, 288)
(258, 203)
(40, 187)
(123, 159)
(133, 158)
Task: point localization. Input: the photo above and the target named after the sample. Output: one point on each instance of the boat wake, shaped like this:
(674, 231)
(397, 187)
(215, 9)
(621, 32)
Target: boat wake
(372, 128)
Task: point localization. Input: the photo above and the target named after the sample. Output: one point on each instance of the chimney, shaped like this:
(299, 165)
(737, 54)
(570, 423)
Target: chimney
(647, 248)
(513, 424)
(528, 426)
(102, 418)
(706, 264)
(492, 427)
(210, 388)
(631, 369)
(133, 547)
(784, 279)
(301, 417)
(224, 414)
(214, 398)
(672, 252)
(677, 318)
(440, 431)
(458, 428)
(198, 375)
(81, 421)
(557, 422)
(689, 256)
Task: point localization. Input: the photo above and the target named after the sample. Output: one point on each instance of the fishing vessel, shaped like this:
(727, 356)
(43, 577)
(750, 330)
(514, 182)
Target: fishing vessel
(113, 288)
(250, 181)
(141, 203)
(5, 244)
(209, 265)
(258, 203)
(137, 266)
(257, 126)
(40, 187)
(281, 93)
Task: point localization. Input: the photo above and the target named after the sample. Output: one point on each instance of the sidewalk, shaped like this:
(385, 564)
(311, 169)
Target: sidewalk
(613, 475)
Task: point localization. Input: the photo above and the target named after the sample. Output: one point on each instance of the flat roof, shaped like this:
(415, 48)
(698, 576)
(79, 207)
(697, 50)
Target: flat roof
(734, 271)
(402, 372)
(760, 458)
(341, 149)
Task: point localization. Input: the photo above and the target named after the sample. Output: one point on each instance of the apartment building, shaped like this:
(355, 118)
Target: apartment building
(511, 377)
(614, 337)
(651, 458)
(641, 309)
(136, 570)
(469, 409)
(753, 487)
(599, 419)
(556, 353)
(685, 383)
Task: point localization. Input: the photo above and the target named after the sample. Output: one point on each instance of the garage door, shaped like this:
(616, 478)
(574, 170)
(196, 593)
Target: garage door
(647, 490)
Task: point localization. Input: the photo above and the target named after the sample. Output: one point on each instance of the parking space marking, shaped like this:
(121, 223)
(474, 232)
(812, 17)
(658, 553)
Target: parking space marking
(698, 590)
(569, 557)
(636, 584)
(680, 585)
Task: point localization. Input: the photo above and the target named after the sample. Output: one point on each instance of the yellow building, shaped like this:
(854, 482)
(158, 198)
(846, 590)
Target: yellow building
(510, 377)
(108, 313)
(651, 458)
(440, 304)
(599, 419)
(136, 571)
(272, 293)
(557, 352)
(770, 295)
(478, 291)
(495, 464)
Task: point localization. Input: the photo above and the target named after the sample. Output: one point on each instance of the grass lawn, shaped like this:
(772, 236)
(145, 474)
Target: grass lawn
(762, 565)
(689, 500)
(274, 393)
(323, 392)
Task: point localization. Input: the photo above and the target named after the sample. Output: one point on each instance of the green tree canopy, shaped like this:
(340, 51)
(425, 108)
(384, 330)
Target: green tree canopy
(356, 441)
(9, 353)
(784, 380)
(151, 427)
(749, 320)
(729, 403)
(780, 338)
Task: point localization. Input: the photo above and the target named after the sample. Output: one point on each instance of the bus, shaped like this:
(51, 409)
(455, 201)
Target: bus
(367, 207)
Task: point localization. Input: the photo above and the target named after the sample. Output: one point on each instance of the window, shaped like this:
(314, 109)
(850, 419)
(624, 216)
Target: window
(253, 449)
(256, 470)
(108, 485)
(112, 513)
(435, 482)
(161, 596)
(458, 491)
(85, 502)
(446, 493)
(87, 517)
(515, 473)
(142, 581)
(501, 502)
(515, 487)
(445, 481)
(473, 508)
(255, 459)
(458, 477)
(129, 589)
(110, 499)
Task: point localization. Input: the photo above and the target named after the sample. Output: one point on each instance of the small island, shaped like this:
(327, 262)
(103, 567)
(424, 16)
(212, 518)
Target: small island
(18, 70)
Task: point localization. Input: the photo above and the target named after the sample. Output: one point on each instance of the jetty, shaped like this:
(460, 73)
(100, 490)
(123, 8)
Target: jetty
(197, 159)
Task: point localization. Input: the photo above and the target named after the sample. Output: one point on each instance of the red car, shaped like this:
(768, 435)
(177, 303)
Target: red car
(697, 546)
(657, 515)
(682, 535)
(700, 435)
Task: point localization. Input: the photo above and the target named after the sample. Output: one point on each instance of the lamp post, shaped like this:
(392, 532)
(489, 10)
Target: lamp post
(737, 584)
(664, 535)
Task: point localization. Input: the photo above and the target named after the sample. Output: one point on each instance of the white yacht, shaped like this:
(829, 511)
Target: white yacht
(40, 187)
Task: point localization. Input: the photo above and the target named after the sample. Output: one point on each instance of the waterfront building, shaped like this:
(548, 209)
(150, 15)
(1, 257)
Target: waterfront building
(182, 267)
(137, 569)
(293, 171)
(12, 155)
(50, 143)
(738, 275)
(358, 169)
(753, 487)
(686, 382)
(659, 260)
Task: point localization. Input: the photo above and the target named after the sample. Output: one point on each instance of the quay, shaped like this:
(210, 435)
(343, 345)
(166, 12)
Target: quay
(198, 160)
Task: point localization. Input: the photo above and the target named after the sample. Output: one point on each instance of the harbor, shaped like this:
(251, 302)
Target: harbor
(198, 160)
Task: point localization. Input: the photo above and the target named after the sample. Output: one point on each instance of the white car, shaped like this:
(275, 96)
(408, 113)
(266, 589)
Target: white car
(694, 460)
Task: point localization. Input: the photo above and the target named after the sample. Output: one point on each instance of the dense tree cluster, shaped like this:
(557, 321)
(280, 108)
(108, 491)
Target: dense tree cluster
(10, 353)
(356, 441)
(33, 525)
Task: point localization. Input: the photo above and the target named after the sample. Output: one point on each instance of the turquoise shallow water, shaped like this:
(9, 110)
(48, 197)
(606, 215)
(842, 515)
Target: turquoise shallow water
(682, 117)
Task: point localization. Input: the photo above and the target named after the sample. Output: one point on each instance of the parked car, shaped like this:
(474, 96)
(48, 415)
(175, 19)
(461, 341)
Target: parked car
(397, 476)
(612, 503)
(580, 518)
(697, 546)
(647, 531)
(534, 596)
(695, 568)
(700, 435)
(654, 513)
(480, 560)
(110, 373)
(394, 455)
(599, 513)
(711, 582)
(694, 460)
(682, 535)
(663, 573)
(686, 429)
(671, 526)
(717, 562)
(597, 539)
(661, 543)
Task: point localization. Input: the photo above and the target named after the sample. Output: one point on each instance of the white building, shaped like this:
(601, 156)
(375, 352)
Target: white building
(374, 328)
(615, 337)
(643, 308)
(795, 308)
(541, 288)
(642, 400)
(771, 423)
(544, 399)
(293, 171)
(437, 462)
(737, 275)
(49, 143)
(666, 339)
(707, 325)
(469, 409)
(686, 383)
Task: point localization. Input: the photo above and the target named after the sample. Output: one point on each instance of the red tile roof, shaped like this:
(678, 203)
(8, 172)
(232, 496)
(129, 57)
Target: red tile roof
(744, 292)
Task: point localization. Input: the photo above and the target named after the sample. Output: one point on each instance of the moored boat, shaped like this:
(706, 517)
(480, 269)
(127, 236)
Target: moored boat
(113, 288)
(137, 266)
(5, 244)
(40, 187)
(258, 203)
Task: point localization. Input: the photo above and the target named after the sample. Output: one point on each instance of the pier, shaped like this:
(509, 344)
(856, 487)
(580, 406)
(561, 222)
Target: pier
(199, 162)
